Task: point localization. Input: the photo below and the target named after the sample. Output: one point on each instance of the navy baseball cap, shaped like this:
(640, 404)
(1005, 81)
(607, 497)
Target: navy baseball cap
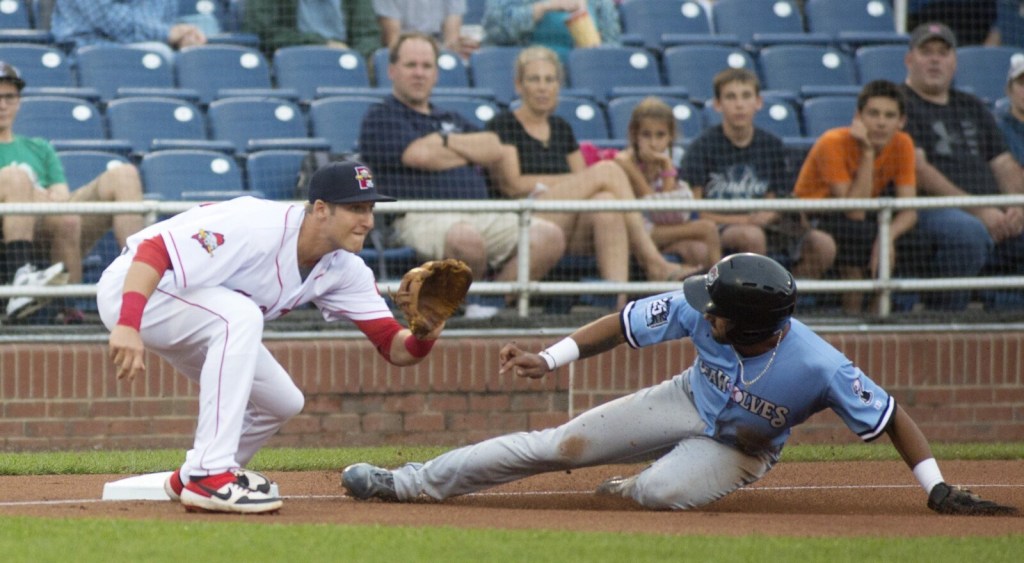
(344, 181)
(10, 73)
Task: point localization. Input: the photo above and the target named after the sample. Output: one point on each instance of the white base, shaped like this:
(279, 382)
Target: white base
(146, 487)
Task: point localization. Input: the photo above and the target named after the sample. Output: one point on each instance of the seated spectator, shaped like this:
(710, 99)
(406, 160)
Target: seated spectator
(343, 24)
(861, 161)
(440, 18)
(551, 167)
(30, 171)
(736, 160)
(960, 151)
(1012, 120)
(420, 151)
(648, 163)
(543, 22)
(151, 24)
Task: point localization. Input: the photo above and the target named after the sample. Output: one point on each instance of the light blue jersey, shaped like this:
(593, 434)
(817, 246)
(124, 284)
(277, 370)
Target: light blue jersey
(807, 375)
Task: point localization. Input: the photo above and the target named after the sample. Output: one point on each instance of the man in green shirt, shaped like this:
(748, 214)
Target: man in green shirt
(30, 171)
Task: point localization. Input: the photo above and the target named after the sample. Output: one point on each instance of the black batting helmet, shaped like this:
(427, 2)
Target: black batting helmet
(754, 292)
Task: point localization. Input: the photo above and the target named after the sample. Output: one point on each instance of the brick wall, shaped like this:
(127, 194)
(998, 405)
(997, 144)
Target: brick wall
(959, 387)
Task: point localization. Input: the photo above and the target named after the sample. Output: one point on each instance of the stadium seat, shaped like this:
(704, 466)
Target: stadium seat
(651, 19)
(778, 116)
(494, 68)
(40, 65)
(305, 67)
(826, 112)
(211, 68)
(474, 12)
(854, 21)
(166, 174)
(274, 172)
(82, 167)
(688, 117)
(242, 119)
(695, 66)
(451, 70)
(602, 68)
(587, 119)
(746, 18)
(338, 119)
(881, 62)
(15, 15)
(141, 120)
(59, 117)
(477, 110)
(109, 67)
(982, 70)
(790, 67)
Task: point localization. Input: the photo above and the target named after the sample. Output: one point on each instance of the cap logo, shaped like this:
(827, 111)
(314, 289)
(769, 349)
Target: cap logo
(934, 28)
(364, 178)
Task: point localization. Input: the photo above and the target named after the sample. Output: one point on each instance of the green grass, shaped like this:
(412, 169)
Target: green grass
(84, 540)
(314, 459)
(87, 540)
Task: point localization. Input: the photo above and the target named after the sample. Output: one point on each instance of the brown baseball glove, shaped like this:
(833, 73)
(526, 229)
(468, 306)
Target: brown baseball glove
(432, 292)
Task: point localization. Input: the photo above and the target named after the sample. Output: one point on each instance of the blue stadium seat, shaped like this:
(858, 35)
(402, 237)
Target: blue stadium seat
(274, 172)
(40, 65)
(695, 66)
(474, 12)
(790, 67)
(746, 18)
(826, 112)
(141, 120)
(881, 62)
(854, 22)
(306, 67)
(15, 15)
(451, 69)
(651, 19)
(59, 117)
(494, 67)
(211, 68)
(477, 110)
(167, 174)
(109, 67)
(778, 115)
(601, 68)
(82, 167)
(587, 119)
(982, 70)
(338, 119)
(688, 117)
(243, 119)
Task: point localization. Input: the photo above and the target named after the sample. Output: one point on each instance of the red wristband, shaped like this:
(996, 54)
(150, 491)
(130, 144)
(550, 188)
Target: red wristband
(418, 348)
(132, 305)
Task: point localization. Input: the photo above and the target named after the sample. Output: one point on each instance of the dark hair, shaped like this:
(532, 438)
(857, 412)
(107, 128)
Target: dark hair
(397, 45)
(881, 89)
(735, 75)
(652, 108)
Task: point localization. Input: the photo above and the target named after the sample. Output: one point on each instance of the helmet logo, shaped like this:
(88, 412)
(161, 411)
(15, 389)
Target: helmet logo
(712, 276)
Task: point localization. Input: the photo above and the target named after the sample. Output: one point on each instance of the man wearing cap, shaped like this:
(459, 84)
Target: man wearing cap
(425, 152)
(30, 171)
(197, 288)
(1011, 121)
(960, 151)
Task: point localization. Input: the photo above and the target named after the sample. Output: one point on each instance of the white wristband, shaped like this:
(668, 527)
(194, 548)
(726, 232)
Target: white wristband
(928, 474)
(563, 352)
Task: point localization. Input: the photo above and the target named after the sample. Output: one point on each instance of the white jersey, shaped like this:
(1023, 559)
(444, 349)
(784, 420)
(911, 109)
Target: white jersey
(249, 245)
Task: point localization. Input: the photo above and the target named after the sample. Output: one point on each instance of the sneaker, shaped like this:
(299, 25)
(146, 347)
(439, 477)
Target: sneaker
(477, 311)
(173, 485)
(224, 492)
(364, 481)
(612, 487)
(70, 316)
(28, 275)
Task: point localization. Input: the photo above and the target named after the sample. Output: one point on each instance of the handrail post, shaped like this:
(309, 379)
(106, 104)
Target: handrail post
(523, 266)
(884, 261)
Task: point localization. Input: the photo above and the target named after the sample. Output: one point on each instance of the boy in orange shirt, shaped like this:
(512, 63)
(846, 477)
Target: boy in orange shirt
(870, 158)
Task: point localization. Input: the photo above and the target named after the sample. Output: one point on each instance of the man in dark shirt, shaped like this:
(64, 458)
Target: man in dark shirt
(419, 151)
(960, 151)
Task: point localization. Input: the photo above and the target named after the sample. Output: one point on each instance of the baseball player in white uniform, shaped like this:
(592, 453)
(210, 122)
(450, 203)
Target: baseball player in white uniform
(197, 288)
(716, 427)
